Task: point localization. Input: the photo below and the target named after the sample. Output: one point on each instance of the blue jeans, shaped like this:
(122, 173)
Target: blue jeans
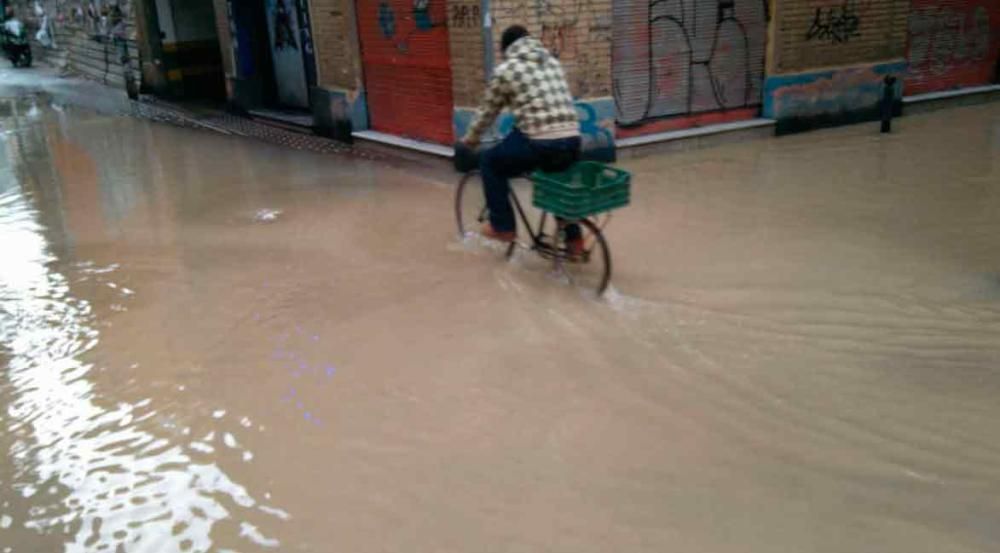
(516, 155)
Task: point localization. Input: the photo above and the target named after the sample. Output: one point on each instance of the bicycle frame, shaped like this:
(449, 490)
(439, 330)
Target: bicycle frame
(524, 218)
(554, 247)
(538, 243)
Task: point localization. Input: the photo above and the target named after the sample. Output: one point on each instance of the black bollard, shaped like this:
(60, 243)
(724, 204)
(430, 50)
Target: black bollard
(888, 103)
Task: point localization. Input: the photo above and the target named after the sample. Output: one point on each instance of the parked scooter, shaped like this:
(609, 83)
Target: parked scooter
(14, 42)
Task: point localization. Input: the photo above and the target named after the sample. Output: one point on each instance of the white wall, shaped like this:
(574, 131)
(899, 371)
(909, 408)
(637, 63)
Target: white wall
(164, 13)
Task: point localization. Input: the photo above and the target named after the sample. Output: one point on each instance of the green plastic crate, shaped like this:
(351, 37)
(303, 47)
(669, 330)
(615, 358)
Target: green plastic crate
(585, 189)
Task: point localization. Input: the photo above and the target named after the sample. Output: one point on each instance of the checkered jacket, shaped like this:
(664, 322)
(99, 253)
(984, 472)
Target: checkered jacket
(532, 85)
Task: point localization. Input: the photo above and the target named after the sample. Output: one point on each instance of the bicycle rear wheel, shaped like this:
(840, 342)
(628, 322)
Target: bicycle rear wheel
(592, 270)
(470, 205)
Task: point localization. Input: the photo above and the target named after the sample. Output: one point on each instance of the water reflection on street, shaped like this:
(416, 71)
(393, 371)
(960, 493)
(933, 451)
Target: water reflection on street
(213, 344)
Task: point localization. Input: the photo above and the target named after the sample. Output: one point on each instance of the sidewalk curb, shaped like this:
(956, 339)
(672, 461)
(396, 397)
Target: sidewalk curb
(369, 144)
(923, 103)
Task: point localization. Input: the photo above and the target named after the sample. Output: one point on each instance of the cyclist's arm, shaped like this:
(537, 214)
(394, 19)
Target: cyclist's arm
(493, 102)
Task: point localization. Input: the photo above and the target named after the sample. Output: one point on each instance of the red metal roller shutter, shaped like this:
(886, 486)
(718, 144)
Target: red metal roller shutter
(407, 69)
(952, 44)
(687, 62)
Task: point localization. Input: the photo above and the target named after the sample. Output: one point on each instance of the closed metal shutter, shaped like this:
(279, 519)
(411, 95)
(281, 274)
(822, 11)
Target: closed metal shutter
(952, 44)
(676, 58)
(407, 67)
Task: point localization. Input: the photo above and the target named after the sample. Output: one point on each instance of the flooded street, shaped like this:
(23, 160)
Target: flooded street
(210, 343)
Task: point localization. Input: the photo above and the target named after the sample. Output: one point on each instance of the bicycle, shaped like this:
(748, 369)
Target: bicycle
(557, 208)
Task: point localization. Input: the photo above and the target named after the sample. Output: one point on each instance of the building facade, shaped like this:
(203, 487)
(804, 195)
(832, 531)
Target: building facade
(829, 61)
(416, 69)
(96, 39)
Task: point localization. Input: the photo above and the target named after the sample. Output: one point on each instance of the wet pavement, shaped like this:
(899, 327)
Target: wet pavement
(209, 343)
(68, 90)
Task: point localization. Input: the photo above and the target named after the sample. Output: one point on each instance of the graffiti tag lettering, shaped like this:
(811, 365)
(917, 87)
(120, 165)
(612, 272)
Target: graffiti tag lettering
(421, 14)
(465, 16)
(942, 37)
(836, 24)
(386, 20)
(686, 56)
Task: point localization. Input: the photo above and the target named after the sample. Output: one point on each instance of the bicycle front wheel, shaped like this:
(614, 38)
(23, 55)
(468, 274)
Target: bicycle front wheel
(470, 205)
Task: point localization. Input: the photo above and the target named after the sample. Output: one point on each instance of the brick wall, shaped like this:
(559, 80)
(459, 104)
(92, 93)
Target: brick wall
(578, 31)
(812, 34)
(338, 58)
(465, 38)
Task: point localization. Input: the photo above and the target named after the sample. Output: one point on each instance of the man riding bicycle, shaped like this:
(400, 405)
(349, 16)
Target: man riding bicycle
(530, 82)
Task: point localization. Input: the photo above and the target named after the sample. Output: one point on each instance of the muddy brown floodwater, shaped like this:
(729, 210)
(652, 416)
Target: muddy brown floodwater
(213, 344)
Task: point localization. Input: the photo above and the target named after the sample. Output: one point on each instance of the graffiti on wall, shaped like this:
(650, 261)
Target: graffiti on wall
(305, 37)
(284, 34)
(803, 101)
(827, 92)
(575, 31)
(419, 13)
(405, 54)
(465, 16)
(597, 124)
(834, 24)
(682, 57)
(830, 33)
(943, 36)
(952, 45)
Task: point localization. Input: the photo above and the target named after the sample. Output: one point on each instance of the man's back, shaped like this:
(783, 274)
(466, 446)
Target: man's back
(532, 85)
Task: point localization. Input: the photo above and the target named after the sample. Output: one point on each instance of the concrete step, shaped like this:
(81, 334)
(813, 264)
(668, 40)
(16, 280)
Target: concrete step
(932, 101)
(693, 138)
(291, 121)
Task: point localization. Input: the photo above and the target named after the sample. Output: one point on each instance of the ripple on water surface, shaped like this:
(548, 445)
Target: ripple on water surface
(98, 475)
